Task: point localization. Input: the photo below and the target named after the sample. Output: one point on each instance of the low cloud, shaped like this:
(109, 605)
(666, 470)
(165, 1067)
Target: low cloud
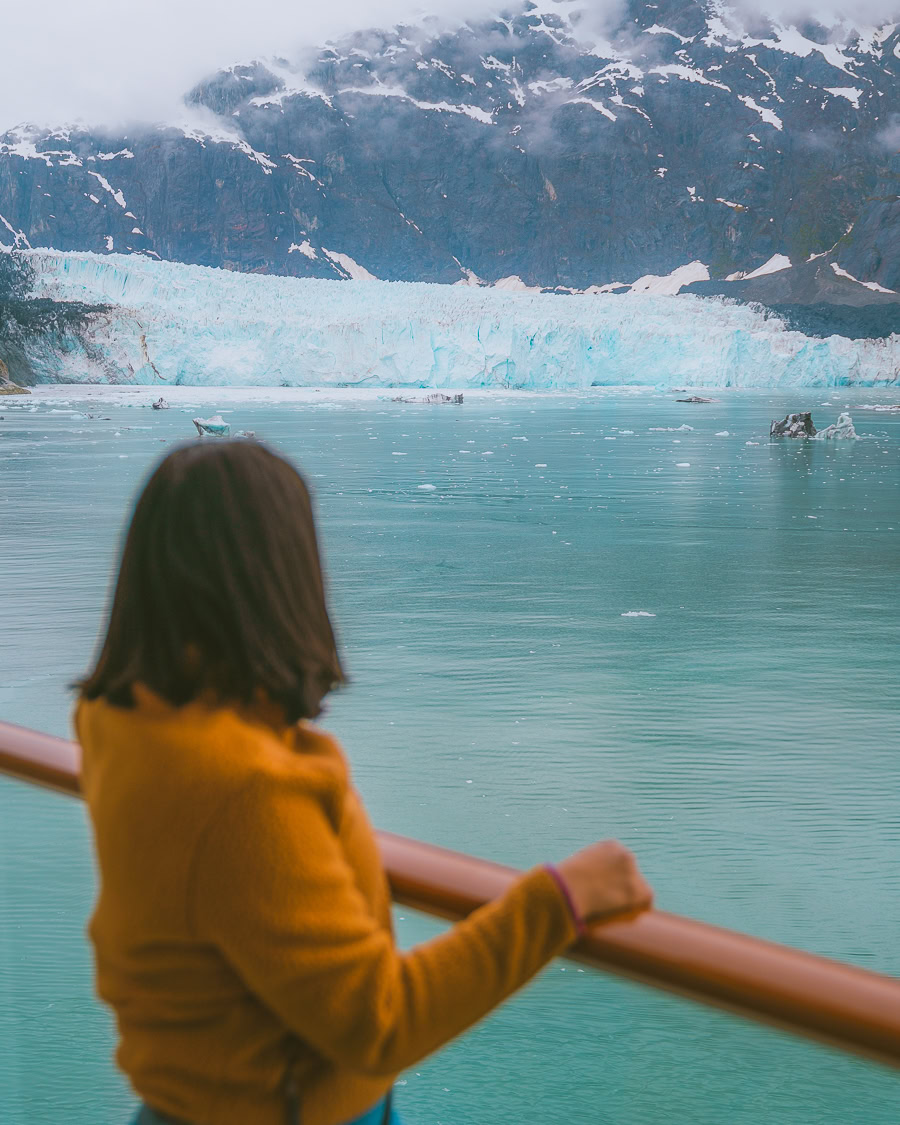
(828, 13)
(89, 61)
(888, 138)
(106, 66)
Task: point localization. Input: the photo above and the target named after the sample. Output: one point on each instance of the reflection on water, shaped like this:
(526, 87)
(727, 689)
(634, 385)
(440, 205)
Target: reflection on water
(743, 740)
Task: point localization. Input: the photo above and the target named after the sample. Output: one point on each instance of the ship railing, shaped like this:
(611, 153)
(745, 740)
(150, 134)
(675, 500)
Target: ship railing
(850, 1008)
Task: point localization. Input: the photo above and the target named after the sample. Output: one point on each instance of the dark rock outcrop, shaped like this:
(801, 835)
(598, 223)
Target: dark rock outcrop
(24, 319)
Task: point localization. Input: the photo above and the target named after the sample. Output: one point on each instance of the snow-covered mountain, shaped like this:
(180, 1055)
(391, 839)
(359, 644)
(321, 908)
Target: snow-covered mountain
(529, 150)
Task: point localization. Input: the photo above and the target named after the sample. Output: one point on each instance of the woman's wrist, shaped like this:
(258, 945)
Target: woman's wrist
(566, 891)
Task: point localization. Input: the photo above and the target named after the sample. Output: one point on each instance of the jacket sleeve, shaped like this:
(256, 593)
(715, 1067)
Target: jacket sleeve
(273, 890)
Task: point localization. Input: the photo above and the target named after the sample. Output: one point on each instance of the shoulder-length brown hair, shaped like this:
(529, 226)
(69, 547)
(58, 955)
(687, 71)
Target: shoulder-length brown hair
(220, 590)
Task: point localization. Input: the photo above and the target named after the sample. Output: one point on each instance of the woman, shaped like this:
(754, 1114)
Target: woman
(242, 933)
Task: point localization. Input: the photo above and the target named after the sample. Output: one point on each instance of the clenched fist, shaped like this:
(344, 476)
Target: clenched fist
(604, 879)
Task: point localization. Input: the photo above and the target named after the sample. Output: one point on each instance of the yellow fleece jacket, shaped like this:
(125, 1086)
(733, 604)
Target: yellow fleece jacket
(242, 933)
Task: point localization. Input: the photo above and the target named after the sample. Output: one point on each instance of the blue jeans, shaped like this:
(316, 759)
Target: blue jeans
(374, 1116)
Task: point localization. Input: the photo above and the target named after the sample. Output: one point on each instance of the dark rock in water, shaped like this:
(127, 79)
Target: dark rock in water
(794, 425)
(694, 398)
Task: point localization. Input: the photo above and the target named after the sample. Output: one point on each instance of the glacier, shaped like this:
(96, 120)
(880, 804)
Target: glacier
(198, 326)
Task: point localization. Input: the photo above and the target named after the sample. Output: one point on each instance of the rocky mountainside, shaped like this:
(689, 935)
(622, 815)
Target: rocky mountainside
(536, 149)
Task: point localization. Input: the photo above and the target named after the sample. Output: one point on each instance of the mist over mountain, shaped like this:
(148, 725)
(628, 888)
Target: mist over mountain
(545, 148)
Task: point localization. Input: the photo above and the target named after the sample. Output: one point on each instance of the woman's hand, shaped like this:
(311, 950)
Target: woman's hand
(604, 879)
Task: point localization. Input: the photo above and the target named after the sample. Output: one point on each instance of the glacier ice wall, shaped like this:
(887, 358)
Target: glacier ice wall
(193, 325)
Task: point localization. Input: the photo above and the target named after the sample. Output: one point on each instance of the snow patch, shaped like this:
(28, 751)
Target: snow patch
(353, 269)
(851, 93)
(767, 115)
(105, 184)
(671, 283)
(305, 247)
(600, 108)
(873, 285)
(689, 74)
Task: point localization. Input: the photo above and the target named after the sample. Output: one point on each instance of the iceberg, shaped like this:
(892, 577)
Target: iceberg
(215, 426)
(192, 325)
(842, 429)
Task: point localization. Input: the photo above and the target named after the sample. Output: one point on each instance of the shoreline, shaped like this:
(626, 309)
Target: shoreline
(205, 397)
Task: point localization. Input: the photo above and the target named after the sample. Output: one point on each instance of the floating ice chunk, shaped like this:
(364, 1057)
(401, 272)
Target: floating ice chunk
(433, 399)
(214, 427)
(637, 613)
(671, 429)
(160, 404)
(682, 464)
(395, 454)
(626, 433)
(842, 428)
(427, 487)
(540, 465)
(751, 443)
(723, 433)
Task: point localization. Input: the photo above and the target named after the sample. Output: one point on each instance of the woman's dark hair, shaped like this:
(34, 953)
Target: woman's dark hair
(220, 590)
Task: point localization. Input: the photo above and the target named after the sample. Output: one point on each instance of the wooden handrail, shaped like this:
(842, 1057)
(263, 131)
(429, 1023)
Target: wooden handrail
(849, 1008)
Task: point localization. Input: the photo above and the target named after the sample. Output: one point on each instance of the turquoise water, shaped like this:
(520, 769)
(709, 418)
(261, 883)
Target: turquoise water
(744, 741)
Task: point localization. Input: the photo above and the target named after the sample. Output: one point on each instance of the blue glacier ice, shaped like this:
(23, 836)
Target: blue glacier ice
(192, 325)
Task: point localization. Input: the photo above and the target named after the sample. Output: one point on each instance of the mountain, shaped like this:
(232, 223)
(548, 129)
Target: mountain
(532, 150)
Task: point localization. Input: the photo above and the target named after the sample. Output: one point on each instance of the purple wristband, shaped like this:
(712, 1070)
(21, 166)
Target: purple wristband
(567, 895)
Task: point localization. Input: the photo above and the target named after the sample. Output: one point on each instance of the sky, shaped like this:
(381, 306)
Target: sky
(108, 63)
(115, 65)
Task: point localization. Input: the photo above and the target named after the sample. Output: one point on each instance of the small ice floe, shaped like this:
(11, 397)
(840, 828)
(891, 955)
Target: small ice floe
(248, 435)
(723, 433)
(434, 400)
(842, 428)
(671, 429)
(214, 427)
(540, 465)
(160, 404)
(751, 443)
(793, 425)
(682, 464)
(881, 408)
(637, 613)
(695, 398)
(426, 487)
